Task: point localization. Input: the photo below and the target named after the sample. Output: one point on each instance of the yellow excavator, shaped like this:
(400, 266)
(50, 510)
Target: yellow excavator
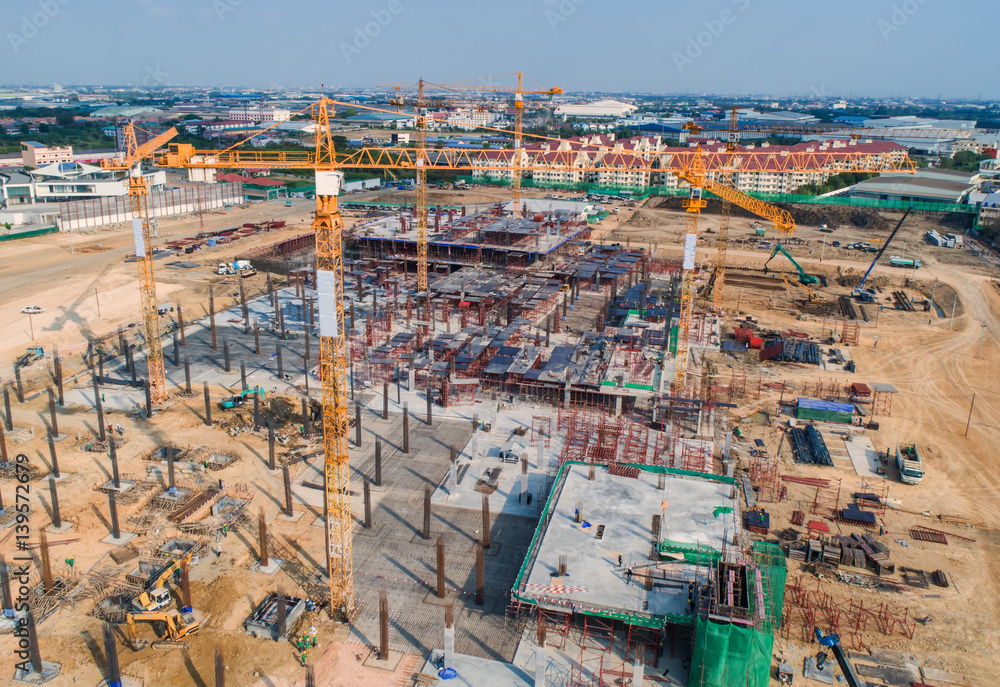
(157, 595)
(813, 297)
(177, 627)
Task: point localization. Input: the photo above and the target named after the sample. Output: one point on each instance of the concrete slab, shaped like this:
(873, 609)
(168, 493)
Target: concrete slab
(64, 527)
(624, 506)
(273, 565)
(56, 438)
(943, 676)
(825, 675)
(50, 671)
(863, 456)
(294, 517)
(125, 538)
(472, 671)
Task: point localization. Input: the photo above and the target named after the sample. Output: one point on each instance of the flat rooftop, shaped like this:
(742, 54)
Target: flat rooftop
(696, 511)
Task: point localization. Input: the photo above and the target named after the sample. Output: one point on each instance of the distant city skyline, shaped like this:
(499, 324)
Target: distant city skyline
(784, 48)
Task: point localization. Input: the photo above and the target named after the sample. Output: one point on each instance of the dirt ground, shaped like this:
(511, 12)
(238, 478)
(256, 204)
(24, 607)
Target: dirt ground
(936, 367)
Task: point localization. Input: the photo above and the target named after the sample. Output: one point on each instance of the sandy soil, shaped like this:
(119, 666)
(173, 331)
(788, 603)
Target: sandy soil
(937, 371)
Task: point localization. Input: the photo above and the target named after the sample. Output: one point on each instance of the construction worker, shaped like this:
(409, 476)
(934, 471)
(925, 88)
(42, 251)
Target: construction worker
(314, 642)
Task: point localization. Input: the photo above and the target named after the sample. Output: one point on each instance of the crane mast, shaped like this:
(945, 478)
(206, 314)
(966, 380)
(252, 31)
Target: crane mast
(329, 227)
(515, 182)
(138, 195)
(693, 205)
(727, 180)
(421, 205)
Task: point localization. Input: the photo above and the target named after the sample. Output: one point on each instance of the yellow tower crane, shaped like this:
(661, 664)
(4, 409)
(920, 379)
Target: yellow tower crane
(691, 166)
(421, 103)
(328, 227)
(138, 193)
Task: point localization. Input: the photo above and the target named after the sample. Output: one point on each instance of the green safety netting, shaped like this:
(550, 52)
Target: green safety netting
(729, 654)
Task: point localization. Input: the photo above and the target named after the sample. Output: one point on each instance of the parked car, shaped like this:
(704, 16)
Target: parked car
(836, 244)
(33, 310)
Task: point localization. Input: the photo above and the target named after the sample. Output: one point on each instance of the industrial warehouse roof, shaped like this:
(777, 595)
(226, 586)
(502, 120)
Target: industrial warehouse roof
(816, 404)
(915, 188)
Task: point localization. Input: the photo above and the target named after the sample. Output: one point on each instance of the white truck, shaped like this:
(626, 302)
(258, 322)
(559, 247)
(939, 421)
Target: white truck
(911, 470)
(242, 268)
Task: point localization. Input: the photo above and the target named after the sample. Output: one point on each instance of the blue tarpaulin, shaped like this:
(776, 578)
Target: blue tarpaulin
(816, 404)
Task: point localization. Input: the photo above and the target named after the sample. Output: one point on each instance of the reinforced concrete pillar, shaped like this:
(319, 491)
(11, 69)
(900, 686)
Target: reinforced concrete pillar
(208, 406)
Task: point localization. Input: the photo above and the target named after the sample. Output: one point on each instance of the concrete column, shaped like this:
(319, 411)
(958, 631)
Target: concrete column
(7, 417)
(56, 519)
(180, 325)
(187, 375)
(638, 672)
(378, 461)
(357, 424)
(286, 478)
(113, 510)
(449, 645)
(211, 315)
(281, 367)
(101, 434)
(368, 504)
(618, 405)
(208, 406)
(52, 414)
(54, 458)
(225, 355)
(541, 659)
(115, 477)
(385, 401)
(406, 428)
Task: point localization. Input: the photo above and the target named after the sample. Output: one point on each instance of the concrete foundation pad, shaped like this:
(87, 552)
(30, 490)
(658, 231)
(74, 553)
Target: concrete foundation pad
(294, 517)
(125, 538)
(390, 664)
(64, 527)
(123, 485)
(63, 476)
(318, 522)
(50, 671)
(56, 438)
(273, 565)
(825, 676)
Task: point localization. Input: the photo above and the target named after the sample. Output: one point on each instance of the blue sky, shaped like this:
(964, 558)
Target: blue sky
(851, 47)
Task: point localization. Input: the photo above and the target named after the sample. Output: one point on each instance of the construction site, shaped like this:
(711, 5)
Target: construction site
(482, 440)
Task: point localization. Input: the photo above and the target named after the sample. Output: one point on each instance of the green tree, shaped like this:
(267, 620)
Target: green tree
(65, 118)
